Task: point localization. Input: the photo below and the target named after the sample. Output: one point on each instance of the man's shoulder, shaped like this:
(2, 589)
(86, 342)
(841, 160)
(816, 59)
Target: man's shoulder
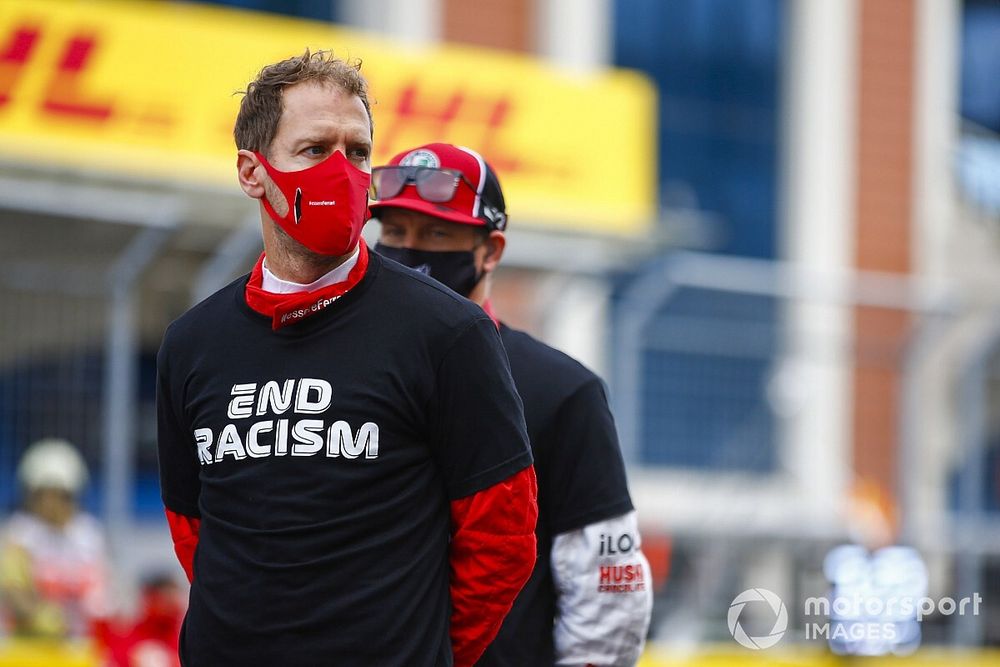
(205, 315)
(425, 298)
(533, 361)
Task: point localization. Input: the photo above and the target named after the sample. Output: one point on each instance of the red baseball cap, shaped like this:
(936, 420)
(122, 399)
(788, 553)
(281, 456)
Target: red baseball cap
(477, 198)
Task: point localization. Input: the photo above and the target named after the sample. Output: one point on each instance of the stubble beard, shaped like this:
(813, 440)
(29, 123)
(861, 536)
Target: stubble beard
(289, 253)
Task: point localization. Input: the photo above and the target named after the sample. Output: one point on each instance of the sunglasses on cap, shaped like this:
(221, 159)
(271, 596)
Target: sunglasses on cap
(433, 185)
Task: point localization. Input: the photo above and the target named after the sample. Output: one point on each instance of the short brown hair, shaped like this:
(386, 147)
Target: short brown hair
(261, 107)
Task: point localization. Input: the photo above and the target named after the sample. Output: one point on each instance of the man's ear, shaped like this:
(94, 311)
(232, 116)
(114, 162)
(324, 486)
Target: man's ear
(495, 244)
(249, 170)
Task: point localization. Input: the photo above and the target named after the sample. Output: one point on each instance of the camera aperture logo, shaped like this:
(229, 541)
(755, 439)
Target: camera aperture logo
(780, 620)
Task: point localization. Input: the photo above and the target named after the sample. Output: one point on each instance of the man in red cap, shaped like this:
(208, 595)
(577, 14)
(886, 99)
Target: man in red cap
(343, 456)
(589, 598)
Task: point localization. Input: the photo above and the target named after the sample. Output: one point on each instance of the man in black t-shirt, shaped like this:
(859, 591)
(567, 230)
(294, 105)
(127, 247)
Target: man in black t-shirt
(589, 598)
(343, 455)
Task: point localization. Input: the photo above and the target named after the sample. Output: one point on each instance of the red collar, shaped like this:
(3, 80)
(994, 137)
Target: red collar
(285, 309)
(488, 307)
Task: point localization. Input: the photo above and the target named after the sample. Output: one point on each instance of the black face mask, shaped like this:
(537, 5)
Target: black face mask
(454, 269)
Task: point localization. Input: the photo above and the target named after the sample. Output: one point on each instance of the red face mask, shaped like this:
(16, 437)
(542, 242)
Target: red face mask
(327, 203)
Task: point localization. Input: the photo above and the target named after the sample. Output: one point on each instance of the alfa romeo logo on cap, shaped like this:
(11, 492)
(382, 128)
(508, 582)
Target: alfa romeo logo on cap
(421, 158)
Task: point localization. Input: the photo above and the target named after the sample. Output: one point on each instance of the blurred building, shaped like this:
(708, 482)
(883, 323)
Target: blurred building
(770, 224)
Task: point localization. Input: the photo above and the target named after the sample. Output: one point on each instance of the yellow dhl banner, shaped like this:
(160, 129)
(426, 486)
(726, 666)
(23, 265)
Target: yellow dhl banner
(148, 89)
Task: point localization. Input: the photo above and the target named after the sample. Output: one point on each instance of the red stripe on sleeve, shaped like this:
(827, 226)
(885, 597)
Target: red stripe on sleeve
(493, 551)
(184, 533)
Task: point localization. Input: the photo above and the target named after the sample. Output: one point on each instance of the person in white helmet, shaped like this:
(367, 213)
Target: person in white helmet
(53, 558)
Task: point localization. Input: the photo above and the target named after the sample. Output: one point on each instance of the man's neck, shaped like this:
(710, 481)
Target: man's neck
(275, 285)
(481, 292)
(302, 270)
(290, 261)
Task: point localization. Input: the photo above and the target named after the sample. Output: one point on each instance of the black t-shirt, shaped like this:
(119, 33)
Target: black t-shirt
(321, 459)
(581, 479)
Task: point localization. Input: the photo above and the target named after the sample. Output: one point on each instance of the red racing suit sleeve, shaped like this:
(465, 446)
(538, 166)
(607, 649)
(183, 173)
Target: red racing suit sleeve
(492, 555)
(184, 533)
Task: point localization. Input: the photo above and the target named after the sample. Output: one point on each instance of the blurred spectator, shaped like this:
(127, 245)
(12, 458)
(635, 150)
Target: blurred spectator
(151, 640)
(53, 559)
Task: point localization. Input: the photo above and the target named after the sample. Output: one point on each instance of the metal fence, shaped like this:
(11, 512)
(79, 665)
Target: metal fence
(769, 413)
(72, 361)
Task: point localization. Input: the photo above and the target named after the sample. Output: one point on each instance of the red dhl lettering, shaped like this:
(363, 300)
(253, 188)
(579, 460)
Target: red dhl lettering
(13, 58)
(65, 94)
(477, 119)
(438, 119)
